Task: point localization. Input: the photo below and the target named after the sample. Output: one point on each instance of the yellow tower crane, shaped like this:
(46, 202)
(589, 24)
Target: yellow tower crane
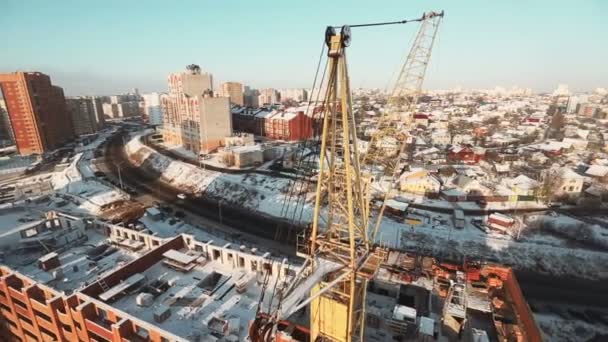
(340, 259)
(389, 140)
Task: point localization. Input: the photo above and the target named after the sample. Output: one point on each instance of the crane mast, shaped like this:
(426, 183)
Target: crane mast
(340, 260)
(337, 314)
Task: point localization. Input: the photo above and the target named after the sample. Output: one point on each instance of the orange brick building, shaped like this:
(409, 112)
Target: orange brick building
(37, 111)
(288, 125)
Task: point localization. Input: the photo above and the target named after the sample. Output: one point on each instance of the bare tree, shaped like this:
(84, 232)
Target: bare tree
(549, 189)
(557, 122)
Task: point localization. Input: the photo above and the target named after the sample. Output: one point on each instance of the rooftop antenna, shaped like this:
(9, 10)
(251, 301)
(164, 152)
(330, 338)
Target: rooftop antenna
(193, 68)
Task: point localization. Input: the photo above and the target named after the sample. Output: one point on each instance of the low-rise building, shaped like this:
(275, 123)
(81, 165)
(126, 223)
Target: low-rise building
(522, 185)
(239, 139)
(441, 137)
(292, 125)
(420, 182)
(243, 156)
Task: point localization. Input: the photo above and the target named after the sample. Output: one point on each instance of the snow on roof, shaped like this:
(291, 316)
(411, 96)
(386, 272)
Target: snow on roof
(569, 174)
(287, 115)
(245, 149)
(48, 257)
(402, 312)
(459, 148)
(264, 114)
(430, 150)
(524, 181)
(597, 171)
(178, 256)
(397, 204)
(551, 146)
(153, 211)
(427, 326)
(504, 167)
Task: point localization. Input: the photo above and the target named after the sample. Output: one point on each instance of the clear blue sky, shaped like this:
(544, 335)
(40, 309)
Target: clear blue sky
(102, 47)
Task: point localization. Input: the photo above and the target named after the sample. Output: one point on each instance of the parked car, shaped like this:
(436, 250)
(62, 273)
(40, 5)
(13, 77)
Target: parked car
(181, 196)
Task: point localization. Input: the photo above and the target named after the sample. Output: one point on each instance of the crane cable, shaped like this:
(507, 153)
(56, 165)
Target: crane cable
(286, 204)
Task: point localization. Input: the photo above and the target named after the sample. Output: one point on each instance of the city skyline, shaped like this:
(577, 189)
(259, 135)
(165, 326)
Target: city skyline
(93, 51)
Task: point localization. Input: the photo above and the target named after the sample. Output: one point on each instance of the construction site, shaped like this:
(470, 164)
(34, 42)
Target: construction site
(67, 278)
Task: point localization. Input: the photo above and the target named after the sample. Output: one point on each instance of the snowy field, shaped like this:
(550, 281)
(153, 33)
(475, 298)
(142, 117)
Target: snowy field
(561, 329)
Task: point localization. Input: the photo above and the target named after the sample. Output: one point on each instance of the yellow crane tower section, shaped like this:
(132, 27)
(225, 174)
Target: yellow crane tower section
(337, 313)
(389, 140)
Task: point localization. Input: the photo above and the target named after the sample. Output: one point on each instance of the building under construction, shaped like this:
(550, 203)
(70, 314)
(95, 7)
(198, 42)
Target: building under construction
(95, 281)
(102, 282)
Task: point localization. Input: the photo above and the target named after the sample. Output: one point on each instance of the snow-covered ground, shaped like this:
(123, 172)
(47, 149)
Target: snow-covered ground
(443, 204)
(77, 181)
(262, 193)
(560, 329)
(545, 254)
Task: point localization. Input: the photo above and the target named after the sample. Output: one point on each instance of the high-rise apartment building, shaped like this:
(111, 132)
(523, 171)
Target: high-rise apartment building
(37, 111)
(82, 111)
(294, 94)
(98, 111)
(268, 96)
(234, 91)
(250, 97)
(6, 131)
(192, 117)
(153, 108)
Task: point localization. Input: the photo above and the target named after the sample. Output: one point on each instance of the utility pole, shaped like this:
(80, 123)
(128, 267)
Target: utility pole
(219, 208)
(119, 176)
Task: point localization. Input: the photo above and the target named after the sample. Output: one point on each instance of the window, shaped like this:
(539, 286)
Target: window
(2, 306)
(25, 319)
(11, 323)
(30, 335)
(19, 303)
(49, 333)
(43, 316)
(66, 327)
(95, 337)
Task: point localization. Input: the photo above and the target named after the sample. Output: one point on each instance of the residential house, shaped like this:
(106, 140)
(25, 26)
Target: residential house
(577, 144)
(466, 154)
(459, 139)
(419, 182)
(291, 124)
(598, 172)
(569, 183)
(441, 137)
(421, 119)
(469, 185)
(522, 185)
